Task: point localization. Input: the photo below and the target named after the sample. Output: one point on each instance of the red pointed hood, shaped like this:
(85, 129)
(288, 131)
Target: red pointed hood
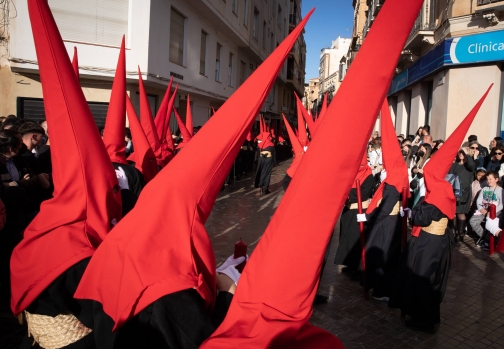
(363, 172)
(393, 162)
(186, 136)
(272, 309)
(311, 124)
(302, 135)
(169, 139)
(125, 274)
(297, 149)
(75, 64)
(189, 120)
(146, 119)
(250, 135)
(324, 108)
(162, 113)
(143, 156)
(264, 140)
(213, 111)
(72, 224)
(262, 127)
(115, 124)
(438, 191)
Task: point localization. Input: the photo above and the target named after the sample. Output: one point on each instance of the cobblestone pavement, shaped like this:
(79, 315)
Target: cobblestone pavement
(472, 311)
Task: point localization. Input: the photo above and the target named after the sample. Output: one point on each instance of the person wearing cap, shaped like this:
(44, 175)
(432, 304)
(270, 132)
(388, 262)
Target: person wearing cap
(422, 277)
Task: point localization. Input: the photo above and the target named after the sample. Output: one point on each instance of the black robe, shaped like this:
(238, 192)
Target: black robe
(349, 249)
(177, 320)
(136, 183)
(383, 244)
(264, 168)
(420, 282)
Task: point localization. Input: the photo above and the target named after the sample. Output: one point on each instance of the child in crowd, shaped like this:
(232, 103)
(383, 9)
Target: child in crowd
(479, 180)
(490, 194)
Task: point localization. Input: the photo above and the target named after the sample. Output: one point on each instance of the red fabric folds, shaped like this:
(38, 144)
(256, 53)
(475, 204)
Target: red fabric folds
(311, 124)
(143, 156)
(115, 124)
(363, 172)
(393, 162)
(72, 224)
(323, 110)
(273, 302)
(297, 149)
(157, 250)
(264, 140)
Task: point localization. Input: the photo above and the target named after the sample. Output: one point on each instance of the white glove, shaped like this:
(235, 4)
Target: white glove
(383, 175)
(407, 212)
(121, 178)
(361, 217)
(492, 225)
(401, 211)
(229, 268)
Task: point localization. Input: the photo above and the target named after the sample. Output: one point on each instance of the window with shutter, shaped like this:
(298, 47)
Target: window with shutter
(217, 62)
(101, 22)
(177, 29)
(203, 53)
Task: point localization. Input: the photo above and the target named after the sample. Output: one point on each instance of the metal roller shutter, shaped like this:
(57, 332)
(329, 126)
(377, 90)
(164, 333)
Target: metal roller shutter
(102, 22)
(33, 109)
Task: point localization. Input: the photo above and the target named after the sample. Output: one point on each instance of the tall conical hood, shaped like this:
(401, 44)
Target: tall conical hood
(302, 135)
(86, 198)
(115, 124)
(297, 149)
(189, 120)
(273, 302)
(393, 161)
(169, 139)
(186, 136)
(262, 127)
(125, 275)
(162, 113)
(143, 156)
(169, 113)
(146, 119)
(311, 124)
(324, 108)
(75, 64)
(438, 191)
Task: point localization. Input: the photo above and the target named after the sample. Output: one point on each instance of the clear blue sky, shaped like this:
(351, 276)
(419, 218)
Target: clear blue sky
(330, 19)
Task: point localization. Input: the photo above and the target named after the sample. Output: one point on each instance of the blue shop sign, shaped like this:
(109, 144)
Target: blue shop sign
(486, 47)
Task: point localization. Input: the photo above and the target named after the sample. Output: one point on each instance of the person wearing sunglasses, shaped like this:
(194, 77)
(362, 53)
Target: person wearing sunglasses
(496, 160)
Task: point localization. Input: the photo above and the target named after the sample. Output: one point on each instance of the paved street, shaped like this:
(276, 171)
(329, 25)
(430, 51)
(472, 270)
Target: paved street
(472, 312)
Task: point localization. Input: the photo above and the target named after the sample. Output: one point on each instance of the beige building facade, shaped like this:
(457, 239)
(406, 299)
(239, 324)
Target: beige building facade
(209, 47)
(454, 52)
(310, 100)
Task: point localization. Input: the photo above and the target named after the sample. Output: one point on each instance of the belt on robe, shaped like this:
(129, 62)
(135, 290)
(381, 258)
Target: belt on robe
(266, 154)
(55, 332)
(396, 209)
(437, 227)
(365, 204)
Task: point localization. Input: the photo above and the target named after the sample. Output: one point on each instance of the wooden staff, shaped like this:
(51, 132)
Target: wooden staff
(405, 218)
(362, 239)
(492, 214)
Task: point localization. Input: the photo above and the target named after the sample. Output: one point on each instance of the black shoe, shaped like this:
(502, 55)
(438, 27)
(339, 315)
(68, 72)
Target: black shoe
(319, 299)
(267, 191)
(422, 326)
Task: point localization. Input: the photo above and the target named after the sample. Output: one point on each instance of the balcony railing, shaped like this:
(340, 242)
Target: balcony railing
(420, 25)
(487, 2)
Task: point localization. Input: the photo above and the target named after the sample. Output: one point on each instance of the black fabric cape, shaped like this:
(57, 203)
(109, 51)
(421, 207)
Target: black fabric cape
(420, 282)
(383, 244)
(264, 168)
(178, 320)
(349, 249)
(136, 183)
